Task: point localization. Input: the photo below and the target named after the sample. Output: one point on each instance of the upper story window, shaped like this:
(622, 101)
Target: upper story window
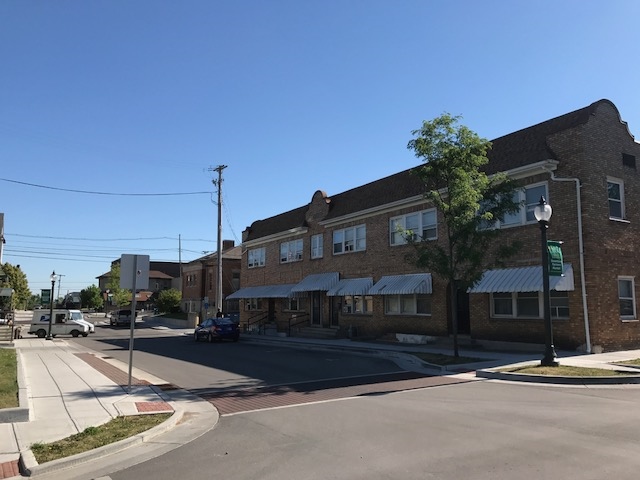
(615, 191)
(316, 246)
(256, 257)
(291, 251)
(353, 239)
(415, 226)
(627, 298)
(528, 197)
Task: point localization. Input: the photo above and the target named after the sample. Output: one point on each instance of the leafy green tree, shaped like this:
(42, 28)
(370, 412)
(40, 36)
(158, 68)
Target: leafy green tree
(119, 296)
(468, 201)
(169, 300)
(16, 279)
(91, 297)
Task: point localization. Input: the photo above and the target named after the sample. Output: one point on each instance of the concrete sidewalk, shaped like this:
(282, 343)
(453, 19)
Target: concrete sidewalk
(69, 389)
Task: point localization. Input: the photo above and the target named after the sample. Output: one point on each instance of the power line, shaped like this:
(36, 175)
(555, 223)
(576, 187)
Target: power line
(88, 192)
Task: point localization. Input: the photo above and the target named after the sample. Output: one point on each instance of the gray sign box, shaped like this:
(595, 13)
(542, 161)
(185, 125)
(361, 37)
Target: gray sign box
(137, 265)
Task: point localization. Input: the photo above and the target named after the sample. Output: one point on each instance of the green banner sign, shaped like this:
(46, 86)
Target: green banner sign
(45, 296)
(555, 258)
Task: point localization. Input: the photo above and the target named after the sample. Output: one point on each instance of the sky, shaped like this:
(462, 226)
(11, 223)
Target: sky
(115, 114)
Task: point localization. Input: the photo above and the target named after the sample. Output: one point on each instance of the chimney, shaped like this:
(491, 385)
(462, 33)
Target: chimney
(228, 244)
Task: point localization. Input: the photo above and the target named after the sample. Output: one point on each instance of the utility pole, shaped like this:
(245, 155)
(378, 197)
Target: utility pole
(59, 283)
(218, 183)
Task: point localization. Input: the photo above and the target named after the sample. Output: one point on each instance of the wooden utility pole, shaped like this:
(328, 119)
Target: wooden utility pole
(218, 183)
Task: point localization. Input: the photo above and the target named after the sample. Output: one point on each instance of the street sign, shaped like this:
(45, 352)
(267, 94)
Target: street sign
(45, 295)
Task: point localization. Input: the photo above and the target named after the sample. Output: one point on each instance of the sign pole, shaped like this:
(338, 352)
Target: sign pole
(133, 318)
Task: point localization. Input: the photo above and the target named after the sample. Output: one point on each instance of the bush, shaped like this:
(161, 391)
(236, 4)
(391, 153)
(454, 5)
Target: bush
(169, 300)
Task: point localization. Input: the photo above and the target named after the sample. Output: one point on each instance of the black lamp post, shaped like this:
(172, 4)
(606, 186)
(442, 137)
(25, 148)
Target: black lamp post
(53, 283)
(542, 212)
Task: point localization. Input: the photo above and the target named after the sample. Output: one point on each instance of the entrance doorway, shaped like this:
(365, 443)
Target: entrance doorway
(316, 308)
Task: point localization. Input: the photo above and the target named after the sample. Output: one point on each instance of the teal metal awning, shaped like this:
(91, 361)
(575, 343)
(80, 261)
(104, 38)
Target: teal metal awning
(523, 279)
(263, 291)
(351, 286)
(317, 282)
(403, 284)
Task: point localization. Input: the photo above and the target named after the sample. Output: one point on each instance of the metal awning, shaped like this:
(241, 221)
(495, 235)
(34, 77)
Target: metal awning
(351, 286)
(523, 279)
(318, 282)
(263, 291)
(403, 284)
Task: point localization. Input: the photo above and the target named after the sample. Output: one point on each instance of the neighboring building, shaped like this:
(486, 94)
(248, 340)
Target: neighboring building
(338, 263)
(200, 280)
(162, 276)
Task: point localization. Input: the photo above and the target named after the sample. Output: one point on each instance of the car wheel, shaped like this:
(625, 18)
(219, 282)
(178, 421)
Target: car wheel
(85, 334)
(41, 333)
(75, 333)
(195, 337)
(210, 338)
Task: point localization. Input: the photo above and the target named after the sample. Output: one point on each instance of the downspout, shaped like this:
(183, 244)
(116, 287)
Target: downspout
(581, 248)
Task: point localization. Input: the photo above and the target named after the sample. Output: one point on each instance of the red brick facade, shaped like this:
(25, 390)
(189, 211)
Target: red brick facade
(571, 155)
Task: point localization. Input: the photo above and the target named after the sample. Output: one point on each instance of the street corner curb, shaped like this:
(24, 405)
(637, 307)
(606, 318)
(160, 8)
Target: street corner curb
(491, 374)
(30, 467)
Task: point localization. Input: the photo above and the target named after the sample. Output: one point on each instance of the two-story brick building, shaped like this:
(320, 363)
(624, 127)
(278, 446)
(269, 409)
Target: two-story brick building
(339, 262)
(200, 280)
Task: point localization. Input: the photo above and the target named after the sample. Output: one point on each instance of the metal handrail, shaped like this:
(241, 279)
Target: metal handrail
(296, 317)
(261, 319)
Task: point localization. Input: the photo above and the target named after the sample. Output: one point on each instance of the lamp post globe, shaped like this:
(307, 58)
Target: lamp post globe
(543, 212)
(53, 284)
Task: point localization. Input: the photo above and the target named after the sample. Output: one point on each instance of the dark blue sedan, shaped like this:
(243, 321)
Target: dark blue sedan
(216, 330)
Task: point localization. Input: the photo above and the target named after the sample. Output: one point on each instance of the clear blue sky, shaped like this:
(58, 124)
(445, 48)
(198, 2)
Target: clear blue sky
(293, 96)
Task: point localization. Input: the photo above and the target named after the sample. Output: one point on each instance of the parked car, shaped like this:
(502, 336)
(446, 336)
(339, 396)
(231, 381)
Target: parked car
(121, 317)
(217, 329)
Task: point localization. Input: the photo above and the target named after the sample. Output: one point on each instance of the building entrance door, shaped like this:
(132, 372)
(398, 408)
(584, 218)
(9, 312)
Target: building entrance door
(316, 308)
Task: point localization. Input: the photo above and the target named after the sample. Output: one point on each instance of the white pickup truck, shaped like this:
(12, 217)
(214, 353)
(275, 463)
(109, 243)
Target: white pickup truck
(63, 323)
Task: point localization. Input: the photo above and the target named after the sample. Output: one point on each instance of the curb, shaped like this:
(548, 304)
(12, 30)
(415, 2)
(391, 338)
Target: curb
(31, 468)
(558, 380)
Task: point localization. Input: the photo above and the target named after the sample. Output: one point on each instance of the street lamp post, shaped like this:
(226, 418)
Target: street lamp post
(53, 285)
(542, 212)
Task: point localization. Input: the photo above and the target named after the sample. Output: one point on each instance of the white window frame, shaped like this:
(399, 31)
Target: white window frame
(349, 240)
(405, 228)
(525, 215)
(515, 298)
(632, 298)
(317, 245)
(406, 304)
(357, 304)
(620, 201)
(292, 304)
(291, 251)
(256, 257)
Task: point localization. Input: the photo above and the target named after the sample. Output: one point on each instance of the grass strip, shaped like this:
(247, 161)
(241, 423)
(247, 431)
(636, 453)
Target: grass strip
(567, 371)
(8, 378)
(93, 437)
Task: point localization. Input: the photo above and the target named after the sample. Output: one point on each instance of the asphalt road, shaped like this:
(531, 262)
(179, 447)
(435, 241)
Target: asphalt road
(476, 430)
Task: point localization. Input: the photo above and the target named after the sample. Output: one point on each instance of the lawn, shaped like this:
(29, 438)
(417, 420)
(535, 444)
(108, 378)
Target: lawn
(8, 378)
(93, 437)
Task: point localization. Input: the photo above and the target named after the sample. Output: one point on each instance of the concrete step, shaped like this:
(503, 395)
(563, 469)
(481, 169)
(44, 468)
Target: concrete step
(316, 332)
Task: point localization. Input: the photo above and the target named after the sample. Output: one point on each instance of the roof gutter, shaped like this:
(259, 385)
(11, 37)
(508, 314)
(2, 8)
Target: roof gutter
(583, 285)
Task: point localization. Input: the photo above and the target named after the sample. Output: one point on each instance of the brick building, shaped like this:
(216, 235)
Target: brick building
(338, 263)
(200, 276)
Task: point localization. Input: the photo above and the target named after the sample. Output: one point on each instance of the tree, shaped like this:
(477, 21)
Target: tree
(169, 300)
(91, 297)
(119, 296)
(17, 280)
(469, 203)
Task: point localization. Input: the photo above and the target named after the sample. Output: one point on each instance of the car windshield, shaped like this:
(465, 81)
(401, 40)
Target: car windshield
(76, 316)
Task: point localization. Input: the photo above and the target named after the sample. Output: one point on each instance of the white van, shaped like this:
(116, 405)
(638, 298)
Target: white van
(69, 322)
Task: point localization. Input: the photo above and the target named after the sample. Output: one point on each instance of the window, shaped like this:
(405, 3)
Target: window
(627, 298)
(291, 251)
(357, 304)
(418, 304)
(292, 304)
(316, 246)
(615, 191)
(350, 239)
(529, 304)
(256, 257)
(529, 197)
(253, 304)
(413, 227)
